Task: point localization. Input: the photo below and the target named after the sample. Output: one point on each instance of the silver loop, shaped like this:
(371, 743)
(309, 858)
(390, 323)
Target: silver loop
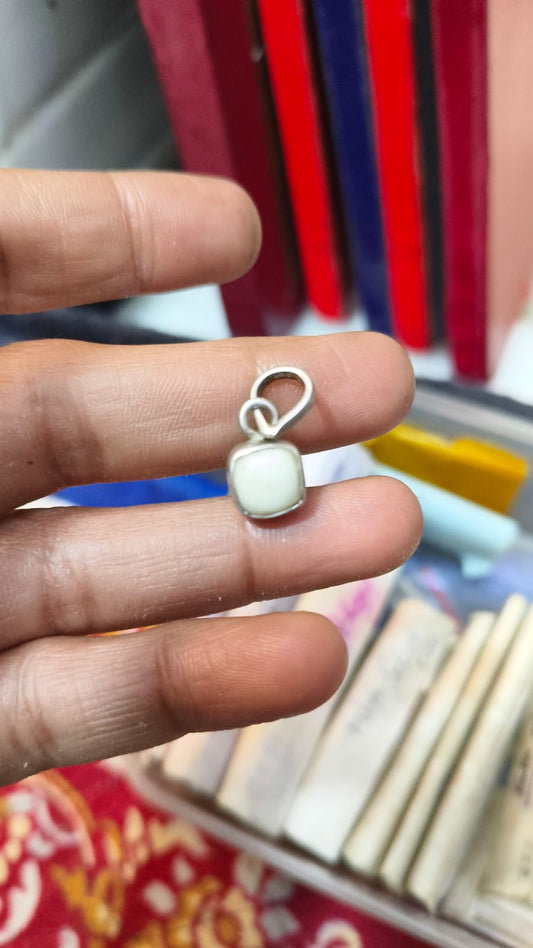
(278, 425)
(257, 405)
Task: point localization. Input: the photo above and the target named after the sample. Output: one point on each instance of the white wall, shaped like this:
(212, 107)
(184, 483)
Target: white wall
(78, 88)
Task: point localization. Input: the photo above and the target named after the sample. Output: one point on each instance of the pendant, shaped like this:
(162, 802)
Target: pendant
(265, 475)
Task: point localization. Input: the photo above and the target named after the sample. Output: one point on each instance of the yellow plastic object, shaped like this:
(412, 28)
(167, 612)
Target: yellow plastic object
(480, 472)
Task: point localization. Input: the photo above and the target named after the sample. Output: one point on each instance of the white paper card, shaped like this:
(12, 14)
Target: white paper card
(428, 791)
(200, 760)
(270, 758)
(373, 833)
(463, 802)
(509, 870)
(368, 726)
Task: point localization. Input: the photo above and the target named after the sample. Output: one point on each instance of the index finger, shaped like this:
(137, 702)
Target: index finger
(76, 412)
(78, 237)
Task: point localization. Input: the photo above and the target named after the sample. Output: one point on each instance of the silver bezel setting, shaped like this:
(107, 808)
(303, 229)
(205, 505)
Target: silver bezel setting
(241, 450)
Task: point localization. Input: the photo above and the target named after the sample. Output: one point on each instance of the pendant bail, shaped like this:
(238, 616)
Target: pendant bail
(276, 426)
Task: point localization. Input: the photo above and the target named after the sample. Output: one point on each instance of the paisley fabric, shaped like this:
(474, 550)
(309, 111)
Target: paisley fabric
(85, 863)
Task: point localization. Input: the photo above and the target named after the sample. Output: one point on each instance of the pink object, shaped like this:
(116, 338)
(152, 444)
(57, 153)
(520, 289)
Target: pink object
(483, 53)
(510, 196)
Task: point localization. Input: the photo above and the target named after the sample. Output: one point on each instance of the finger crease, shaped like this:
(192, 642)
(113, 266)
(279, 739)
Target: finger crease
(5, 278)
(249, 579)
(68, 603)
(131, 211)
(70, 447)
(175, 684)
(25, 732)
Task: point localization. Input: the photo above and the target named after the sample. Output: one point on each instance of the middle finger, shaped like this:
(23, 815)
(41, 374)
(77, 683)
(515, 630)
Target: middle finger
(77, 571)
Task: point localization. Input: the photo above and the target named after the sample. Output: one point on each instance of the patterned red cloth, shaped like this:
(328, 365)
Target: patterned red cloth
(85, 863)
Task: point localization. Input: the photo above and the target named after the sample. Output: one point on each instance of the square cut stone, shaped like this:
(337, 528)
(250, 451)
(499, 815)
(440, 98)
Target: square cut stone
(266, 479)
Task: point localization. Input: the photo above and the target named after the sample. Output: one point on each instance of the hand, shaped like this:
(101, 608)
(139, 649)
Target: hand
(74, 413)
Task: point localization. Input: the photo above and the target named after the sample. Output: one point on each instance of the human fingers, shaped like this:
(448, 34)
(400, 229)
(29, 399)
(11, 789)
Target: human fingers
(74, 412)
(73, 572)
(70, 701)
(78, 237)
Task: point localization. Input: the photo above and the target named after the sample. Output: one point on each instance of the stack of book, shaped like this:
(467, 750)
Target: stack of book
(388, 147)
(417, 775)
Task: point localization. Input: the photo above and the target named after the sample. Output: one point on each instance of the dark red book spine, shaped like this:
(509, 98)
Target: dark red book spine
(219, 113)
(459, 29)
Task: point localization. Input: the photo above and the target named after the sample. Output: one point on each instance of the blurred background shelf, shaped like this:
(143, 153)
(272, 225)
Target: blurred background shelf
(202, 309)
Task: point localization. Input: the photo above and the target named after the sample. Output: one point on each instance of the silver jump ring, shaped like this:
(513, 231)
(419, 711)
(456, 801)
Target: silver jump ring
(257, 405)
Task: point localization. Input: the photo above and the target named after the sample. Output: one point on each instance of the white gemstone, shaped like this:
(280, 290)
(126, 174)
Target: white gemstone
(267, 479)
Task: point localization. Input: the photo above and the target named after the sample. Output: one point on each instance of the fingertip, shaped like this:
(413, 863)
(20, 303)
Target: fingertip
(317, 659)
(397, 366)
(298, 661)
(363, 528)
(247, 229)
(399, 505)
(186, 229)
(234, 224)
(267, 667)
(368, 374)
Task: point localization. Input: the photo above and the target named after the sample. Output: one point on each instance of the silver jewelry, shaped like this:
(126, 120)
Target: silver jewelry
(265, 476)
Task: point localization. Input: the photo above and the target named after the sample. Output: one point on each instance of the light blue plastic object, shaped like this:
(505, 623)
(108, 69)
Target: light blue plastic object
(476, 535)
